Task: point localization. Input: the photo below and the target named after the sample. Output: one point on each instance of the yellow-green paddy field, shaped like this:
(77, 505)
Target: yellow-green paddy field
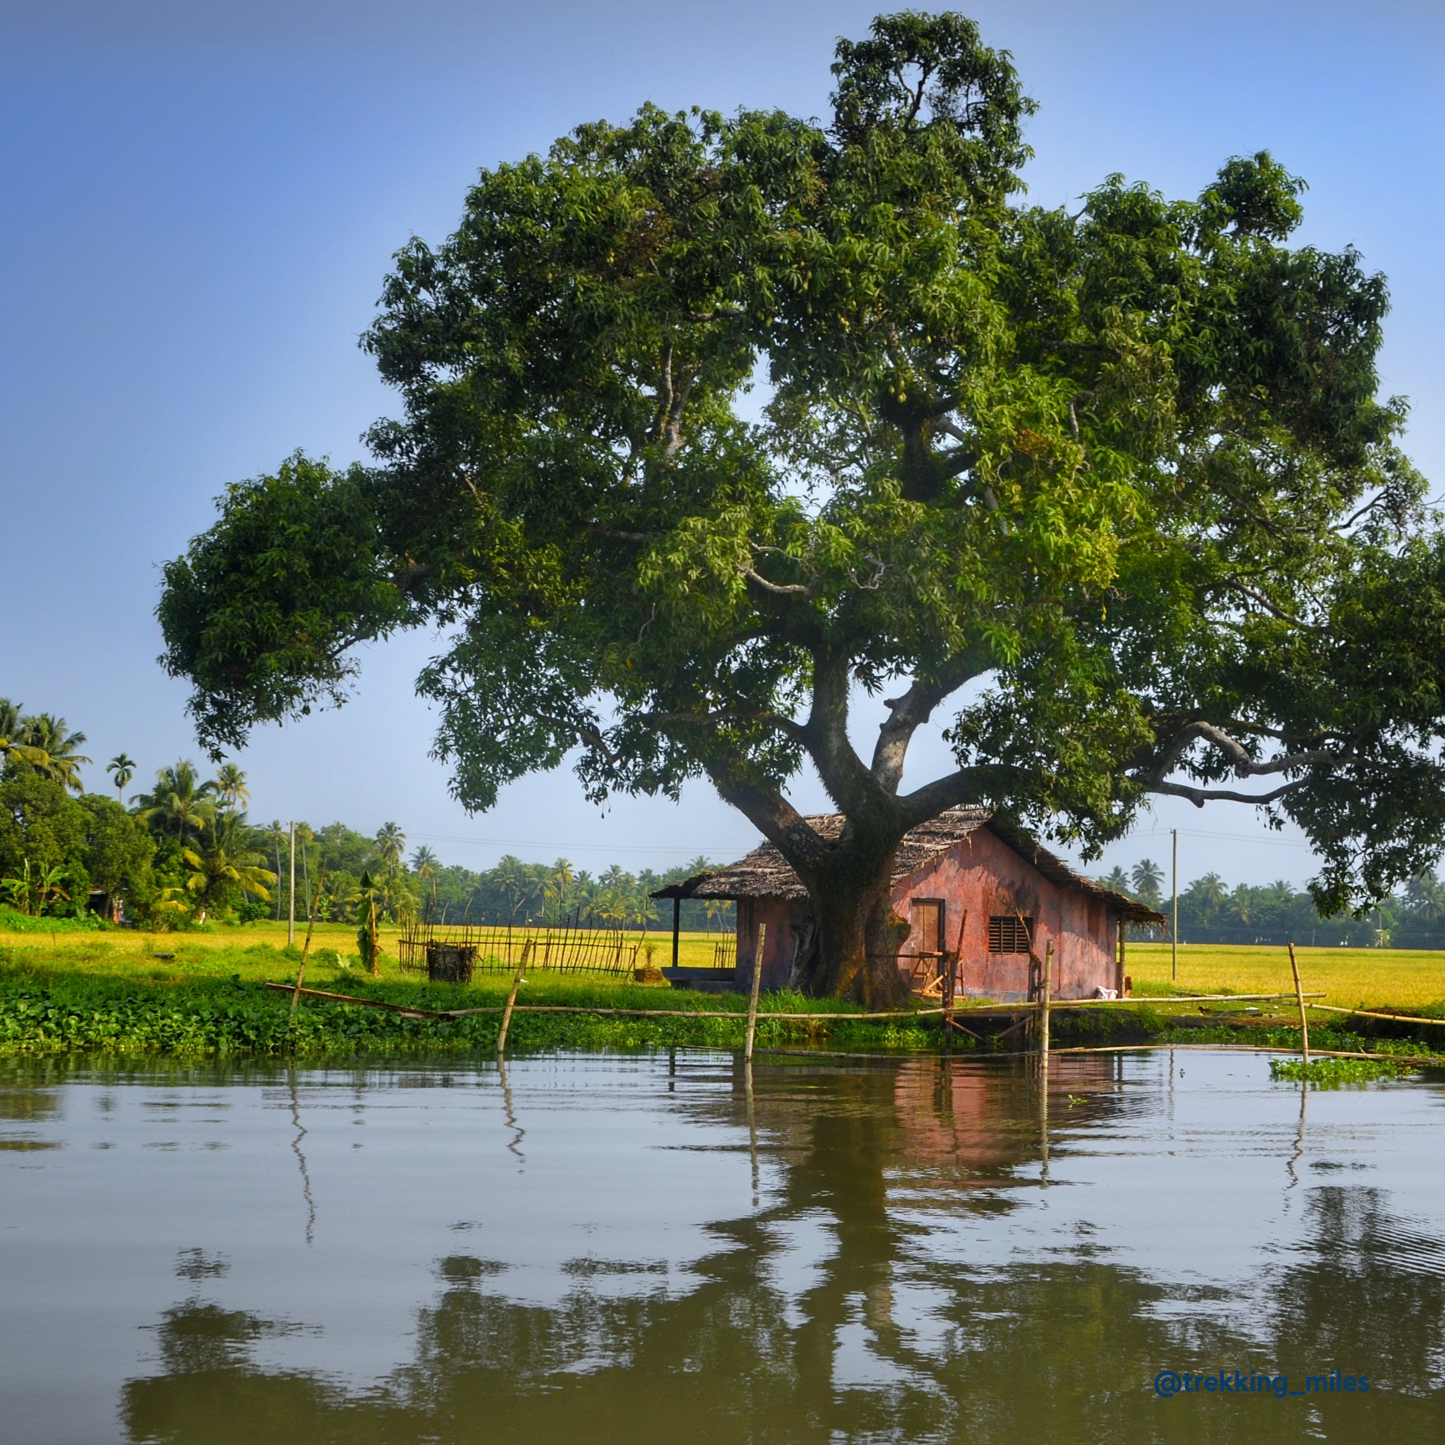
(204, 993)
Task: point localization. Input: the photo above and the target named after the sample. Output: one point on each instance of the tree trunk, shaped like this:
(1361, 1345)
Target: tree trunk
(853, 950)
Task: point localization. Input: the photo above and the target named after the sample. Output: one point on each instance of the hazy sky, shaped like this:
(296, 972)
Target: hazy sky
(201, 199)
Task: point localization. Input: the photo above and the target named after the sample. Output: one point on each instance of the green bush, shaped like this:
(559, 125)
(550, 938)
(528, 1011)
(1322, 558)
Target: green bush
(13, 922)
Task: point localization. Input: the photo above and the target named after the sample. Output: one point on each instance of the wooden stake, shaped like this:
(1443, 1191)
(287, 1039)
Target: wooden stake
(512, 999)
(1299, 993)
(291, 896)
(950, 988)
(1044, 1003)
(753, 997)
(306, 947)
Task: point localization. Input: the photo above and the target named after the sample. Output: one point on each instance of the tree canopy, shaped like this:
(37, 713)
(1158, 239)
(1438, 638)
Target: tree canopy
(1118, 476)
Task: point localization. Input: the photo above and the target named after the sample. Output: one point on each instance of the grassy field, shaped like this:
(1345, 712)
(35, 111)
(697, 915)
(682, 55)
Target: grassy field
(1375, 978)
(194, 994)
(1378, 978)
(251, 950)
(202, 994)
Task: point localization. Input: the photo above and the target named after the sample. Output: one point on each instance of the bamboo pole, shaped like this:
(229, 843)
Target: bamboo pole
(1304, 1024)
(1174, 924)
(950, 988)
(1044, 1002)
(1368, 1014)
(291, 896)
(512, 999)
(753, 996)
(1028, 1011)
(306, 947)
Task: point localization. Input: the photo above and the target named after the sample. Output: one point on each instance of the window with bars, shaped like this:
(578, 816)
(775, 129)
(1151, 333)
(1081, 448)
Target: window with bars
(1007, 933)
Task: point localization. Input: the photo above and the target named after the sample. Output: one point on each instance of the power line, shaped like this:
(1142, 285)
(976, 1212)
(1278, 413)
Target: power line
(1231, 837)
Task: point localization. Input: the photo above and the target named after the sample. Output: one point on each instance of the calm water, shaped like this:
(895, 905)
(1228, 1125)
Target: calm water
(633, 1249)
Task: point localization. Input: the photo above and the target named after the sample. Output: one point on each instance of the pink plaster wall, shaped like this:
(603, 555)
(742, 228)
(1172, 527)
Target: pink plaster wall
(783, 919)
(979, 876)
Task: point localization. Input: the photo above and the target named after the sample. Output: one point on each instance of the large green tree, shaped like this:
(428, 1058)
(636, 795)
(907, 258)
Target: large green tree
(1114, 480)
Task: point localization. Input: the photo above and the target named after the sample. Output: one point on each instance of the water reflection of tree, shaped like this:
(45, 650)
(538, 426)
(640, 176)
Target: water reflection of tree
(1054, 1348)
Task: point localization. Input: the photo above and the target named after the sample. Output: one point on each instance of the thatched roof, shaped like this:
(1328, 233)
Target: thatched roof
(765, 873)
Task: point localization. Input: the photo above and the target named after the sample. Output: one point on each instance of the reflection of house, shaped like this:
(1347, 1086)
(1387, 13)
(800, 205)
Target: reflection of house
(975, 1115)
(967, 881)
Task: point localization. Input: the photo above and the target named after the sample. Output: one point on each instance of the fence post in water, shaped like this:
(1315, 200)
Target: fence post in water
(676, 924)
(753, 997)
(1299, 993)
(306, 947)
(512, 998)
(1044, 1002)
(291, 896)
(950, 986)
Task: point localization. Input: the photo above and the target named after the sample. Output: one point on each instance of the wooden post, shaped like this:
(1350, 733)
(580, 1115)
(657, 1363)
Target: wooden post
(1174, 924)
(512, 999)
(950, 986)
(291, 896)
(676, 924)
(1299, 993)
(753, 997)
(1044, 1002)
(306, 947)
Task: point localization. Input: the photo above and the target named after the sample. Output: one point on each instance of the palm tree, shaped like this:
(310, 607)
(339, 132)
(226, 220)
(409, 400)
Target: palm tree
(339, 897)
(13, 745)
(555, 892)
(1116, 881)
(1147, 878)
(390, 845)
(51, 735)
(1427, 894)
(304, 835)
(276, 833)
(180, 802)
(425, 864)
(123, 769)
(231, 785)
(511, 880)
(224, 862)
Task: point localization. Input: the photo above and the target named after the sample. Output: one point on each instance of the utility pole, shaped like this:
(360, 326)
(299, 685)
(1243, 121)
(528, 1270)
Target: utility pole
(291, 918)
(1174, 926)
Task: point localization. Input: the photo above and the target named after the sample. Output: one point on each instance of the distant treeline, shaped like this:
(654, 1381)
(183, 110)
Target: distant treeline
(513, 892)
(185, 852)
(1276, 913)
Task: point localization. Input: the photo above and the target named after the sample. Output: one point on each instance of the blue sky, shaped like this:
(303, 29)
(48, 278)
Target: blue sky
(201, 201)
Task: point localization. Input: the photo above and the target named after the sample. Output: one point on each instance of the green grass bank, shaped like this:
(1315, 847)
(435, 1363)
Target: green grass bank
(204, 996)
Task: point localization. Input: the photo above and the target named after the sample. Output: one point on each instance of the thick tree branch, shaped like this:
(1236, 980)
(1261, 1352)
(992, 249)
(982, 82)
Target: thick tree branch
(776, 589)
(1200, 796)
(953, 790)
(850, 784)
(909, 712)
(775, 818)
(1240, 761)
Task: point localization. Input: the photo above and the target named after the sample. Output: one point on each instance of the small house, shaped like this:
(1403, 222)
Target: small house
(968, 882)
